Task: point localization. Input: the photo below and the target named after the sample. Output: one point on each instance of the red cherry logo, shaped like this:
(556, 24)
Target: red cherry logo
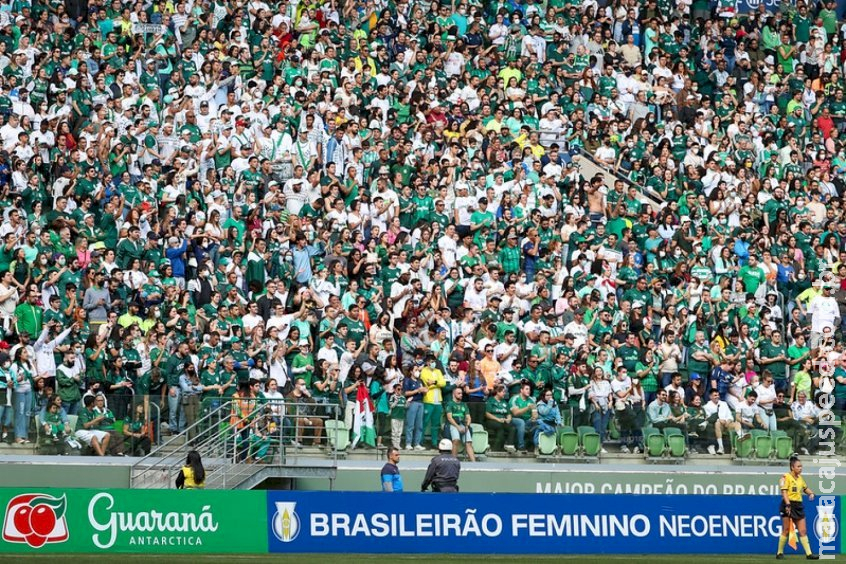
(42, 520)
(35, 541)
(21, 519)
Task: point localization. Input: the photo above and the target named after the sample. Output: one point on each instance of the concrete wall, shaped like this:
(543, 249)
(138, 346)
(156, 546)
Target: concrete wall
(35, 471)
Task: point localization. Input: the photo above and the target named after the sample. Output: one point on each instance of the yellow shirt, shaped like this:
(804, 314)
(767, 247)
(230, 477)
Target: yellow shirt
(794, 486)
(433, 377)
(190, 484)
(508, 73)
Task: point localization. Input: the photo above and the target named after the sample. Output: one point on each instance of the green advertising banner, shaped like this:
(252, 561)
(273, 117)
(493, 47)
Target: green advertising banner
(139, 521)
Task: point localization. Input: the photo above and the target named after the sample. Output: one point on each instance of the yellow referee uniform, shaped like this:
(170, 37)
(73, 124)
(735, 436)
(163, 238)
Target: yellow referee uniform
(794, 486)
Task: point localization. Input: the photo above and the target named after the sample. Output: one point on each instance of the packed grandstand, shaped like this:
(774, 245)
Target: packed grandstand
(559, 227)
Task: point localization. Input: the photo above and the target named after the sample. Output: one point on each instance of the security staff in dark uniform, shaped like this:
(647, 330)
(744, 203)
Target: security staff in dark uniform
(443, 470)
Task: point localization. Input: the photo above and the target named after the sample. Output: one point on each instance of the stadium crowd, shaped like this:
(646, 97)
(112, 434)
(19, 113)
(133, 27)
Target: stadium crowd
(383, 200)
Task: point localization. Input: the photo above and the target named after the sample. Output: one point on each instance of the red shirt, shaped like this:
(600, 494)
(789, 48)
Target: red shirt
(826, 124)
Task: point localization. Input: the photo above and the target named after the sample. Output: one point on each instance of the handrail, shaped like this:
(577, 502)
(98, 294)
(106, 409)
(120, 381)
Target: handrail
(157, 461)
(223, 450)
(653, 197)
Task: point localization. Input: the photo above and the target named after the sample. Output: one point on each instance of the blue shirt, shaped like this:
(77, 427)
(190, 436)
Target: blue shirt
(177, 259)
(302, 262)
(391, 475)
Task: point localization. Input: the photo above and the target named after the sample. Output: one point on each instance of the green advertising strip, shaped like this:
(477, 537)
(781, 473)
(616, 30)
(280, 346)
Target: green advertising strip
(140, 521)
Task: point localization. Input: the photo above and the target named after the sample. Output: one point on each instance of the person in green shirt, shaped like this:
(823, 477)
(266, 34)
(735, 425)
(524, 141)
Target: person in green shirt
(130, 248)
(699, 359)
(773, 356)
(68, 382)
(498, 421)
(135, 428)
(107, 423)
(524, 415)
(303, 364)
(355, 328)
(481, 218)
(510, 256)
(29, 315)
(458, 417)
(630, 352)
(802, 380)
(172, 369)
(647, 371)
(87, 428)
(54, 429)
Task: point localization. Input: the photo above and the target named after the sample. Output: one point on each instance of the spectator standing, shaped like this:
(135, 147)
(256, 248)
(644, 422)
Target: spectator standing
(524, 415)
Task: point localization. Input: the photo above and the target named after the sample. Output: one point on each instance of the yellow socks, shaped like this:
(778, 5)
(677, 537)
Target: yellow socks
(782, 540)
(805, 544)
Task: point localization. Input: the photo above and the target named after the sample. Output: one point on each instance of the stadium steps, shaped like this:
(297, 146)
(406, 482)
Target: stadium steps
(229, 457)
(589, 167)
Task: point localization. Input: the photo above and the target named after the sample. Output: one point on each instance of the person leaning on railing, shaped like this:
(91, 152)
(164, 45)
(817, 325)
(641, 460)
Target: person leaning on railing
(192, 389)
(243, 408)
(135, 429)
(301, 409)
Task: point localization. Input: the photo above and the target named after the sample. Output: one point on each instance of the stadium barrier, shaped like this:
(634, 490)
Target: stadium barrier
(258, 522)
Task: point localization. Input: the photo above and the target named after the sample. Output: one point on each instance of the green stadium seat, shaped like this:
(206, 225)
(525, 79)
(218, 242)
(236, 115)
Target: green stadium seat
(546, 444)
(653, 442)
(119, 427)
(676, 446)
(783, 445)
(613, 430)
(337, 434)
(743, 449)
(762, 442)
(481, 443)
(590, 441)
(568, 440)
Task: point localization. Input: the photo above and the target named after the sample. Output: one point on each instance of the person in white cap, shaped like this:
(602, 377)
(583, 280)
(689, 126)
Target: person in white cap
(824, 312)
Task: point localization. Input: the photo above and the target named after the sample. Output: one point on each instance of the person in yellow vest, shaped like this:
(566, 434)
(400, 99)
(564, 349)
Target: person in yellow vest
(433, 381)
(791, 510)
(193, 475)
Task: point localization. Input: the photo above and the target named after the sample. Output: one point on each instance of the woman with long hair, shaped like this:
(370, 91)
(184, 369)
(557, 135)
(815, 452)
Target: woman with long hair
(23, 377)
(193, 475)
(793, 486)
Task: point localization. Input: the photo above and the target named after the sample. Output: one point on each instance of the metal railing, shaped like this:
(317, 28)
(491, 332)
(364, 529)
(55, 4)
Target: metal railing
(234, 449)
(547, 137)
(648, 194)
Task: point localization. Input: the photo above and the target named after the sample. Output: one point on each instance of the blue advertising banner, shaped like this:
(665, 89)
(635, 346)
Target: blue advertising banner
(360, 522)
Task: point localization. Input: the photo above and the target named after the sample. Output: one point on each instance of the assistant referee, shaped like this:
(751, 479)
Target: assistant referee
(791, 509)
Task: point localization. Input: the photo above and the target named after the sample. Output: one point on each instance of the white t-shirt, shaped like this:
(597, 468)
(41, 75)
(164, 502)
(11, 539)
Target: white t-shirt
(823, 312)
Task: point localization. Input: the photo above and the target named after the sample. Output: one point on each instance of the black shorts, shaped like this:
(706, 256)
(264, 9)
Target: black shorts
(797, 510)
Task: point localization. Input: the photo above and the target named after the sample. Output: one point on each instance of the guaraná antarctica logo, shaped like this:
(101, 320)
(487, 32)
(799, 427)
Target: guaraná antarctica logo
(36, 519)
